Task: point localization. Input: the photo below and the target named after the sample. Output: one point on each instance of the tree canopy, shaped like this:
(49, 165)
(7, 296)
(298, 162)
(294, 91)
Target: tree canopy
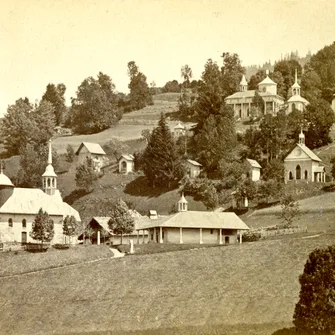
(95, 107)
(55, 95)
(42, 227)
(139, 95)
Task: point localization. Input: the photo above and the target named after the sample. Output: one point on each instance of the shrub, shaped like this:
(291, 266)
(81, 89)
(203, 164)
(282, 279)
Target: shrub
(251, 236)
(315, 310)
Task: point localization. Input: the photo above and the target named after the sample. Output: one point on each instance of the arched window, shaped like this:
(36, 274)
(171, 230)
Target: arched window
(48, 182)
(10, 222)
(290, 175)
(24, 223)
(298, 172)
(306, 174)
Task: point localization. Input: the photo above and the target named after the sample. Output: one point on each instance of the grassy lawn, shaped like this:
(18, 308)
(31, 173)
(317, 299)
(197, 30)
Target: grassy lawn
(243, 289)
(22, 262)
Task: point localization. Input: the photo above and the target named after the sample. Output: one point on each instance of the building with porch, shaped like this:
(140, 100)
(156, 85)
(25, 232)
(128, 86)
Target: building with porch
(126, 164)
(242, 101)
(302, 164)
(196, 227)
(19, 207)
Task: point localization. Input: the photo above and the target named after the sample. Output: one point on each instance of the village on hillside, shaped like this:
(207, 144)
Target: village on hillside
(201, 206)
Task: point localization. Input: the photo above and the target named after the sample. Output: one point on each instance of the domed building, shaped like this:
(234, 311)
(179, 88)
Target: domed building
(296, 101)
(19, 207)
(242, 101)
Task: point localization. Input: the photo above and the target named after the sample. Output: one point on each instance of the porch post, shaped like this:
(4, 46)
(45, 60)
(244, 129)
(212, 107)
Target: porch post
(201, 236)
(98, 237)
(138, 237)
(240, 236)
(220, 232)
(181, 235)
(160, 235)
(155, 235)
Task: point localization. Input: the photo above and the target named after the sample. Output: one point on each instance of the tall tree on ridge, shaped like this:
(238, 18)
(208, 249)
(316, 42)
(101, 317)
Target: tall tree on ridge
(55, 95)
(139, 95)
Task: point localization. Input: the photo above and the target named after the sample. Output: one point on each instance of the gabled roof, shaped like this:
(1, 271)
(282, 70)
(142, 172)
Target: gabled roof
(307, 151)
(193, 162)
(30, 200)
(253, 163)
(93, 148)
(194, 219)
(127, 157)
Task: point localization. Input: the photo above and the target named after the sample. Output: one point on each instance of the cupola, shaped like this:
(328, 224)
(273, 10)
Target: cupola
(6, 187)
(49, 177)
(182, 204)
(243, 84)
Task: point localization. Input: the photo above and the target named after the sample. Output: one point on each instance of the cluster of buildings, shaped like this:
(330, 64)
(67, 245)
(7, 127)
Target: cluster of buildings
(242, 101)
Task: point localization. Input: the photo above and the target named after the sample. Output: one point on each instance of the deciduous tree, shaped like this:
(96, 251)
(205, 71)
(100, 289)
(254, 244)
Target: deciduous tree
(289, 209)
(42, 227)
(70, 227)
(95, 107)
(121, 222)
(85, 175)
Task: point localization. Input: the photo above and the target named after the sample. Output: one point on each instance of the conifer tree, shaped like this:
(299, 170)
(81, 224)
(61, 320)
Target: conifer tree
(70, 226)
(161, 161)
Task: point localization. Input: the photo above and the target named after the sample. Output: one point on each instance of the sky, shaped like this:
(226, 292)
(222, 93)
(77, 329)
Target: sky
(66, 41)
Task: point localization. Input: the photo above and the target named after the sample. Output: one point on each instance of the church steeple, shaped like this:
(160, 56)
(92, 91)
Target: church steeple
(301, 138)
(243, 84)
(295, 87)
(49, 177)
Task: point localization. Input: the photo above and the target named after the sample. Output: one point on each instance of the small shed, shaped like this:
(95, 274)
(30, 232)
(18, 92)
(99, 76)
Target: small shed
(126, 164)
(93, 151)
(255, 170)
(193, 168)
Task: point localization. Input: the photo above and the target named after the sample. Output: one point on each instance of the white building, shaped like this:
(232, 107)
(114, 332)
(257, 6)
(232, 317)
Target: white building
(296, 101)
(255, 170)
(19, 207)
(242, 101)
(179, 130)
(303, 164)
(126, 164)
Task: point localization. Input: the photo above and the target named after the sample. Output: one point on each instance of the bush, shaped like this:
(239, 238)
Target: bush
(315, 310)
(61, 246)
(251, 236)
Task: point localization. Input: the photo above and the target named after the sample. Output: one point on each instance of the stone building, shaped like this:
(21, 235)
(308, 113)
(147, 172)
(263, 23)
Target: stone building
(19, 207)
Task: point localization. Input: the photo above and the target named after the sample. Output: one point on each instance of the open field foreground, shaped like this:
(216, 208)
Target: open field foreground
(244, 289)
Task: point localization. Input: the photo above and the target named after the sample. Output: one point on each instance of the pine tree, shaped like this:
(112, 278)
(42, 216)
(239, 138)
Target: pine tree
(43, 227)
(121, 221)
(85, 175)
(55, 95)
(161, 161)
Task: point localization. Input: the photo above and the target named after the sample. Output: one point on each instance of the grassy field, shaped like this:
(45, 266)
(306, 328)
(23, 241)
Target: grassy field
(244, 289)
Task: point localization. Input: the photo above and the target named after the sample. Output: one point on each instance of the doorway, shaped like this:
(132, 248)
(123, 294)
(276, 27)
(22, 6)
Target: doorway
(24, 237)
(226, 239)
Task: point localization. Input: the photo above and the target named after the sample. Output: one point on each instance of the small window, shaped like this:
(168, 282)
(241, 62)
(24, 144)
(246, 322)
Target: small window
(24, 223)
(10, 222)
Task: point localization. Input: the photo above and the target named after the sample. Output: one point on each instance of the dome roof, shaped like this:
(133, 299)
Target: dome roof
(182, 199)
(5, 181)
(295, 85)
(49, 171)
(298, 98)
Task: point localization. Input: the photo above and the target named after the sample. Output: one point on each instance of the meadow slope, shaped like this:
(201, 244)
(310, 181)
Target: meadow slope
(249, 286)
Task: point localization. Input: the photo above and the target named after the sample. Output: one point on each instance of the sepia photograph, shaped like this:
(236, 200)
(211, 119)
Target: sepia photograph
(167, 167)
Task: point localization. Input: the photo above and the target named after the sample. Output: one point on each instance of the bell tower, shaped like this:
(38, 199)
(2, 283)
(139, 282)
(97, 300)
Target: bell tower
(182, 204)
(243, 84)
(49, 177)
